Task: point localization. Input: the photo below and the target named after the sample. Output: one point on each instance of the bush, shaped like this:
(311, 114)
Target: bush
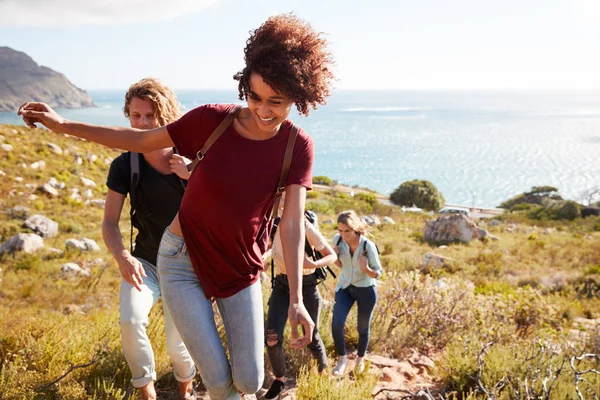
(321, 180)
(570, 210)
(419, 193)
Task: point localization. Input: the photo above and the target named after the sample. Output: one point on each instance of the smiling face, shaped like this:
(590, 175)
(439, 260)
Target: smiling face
(269, 108)
(141, 114)
(348, 234)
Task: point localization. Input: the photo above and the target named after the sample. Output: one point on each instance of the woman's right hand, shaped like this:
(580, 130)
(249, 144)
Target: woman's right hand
(42, 113)
(132, 270)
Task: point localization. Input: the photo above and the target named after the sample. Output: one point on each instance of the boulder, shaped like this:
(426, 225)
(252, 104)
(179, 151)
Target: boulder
(88, 182)
(42, 225)
(55, 148)
(84, 244)
(388, 220)
(27, 242)
(433, 261)
(6, 147)
(453, 228)
(73, 269)
(48, 189)
(18, 212)
(38, 165)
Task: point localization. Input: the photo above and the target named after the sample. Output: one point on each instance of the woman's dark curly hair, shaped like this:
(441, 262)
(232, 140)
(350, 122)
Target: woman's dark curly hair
(292, 58)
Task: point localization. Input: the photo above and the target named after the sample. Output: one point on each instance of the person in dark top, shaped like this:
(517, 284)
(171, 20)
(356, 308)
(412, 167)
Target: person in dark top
(213, 249)
(158, 193)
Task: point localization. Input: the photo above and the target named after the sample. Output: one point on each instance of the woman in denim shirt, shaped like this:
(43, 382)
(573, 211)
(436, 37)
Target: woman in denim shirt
(359, 259)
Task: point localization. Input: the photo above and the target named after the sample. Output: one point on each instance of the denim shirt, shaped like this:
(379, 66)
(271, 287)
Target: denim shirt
(351, 273)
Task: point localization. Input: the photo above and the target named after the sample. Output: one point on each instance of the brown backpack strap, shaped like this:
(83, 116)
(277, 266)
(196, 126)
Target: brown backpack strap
(214, 136)
(287, 162)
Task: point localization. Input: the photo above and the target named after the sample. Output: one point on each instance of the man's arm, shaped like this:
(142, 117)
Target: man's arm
(130, 267)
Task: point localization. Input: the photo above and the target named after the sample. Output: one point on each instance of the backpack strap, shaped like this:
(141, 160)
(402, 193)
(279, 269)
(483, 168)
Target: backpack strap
(287, 162)
(134, 162)
(339, 241)
(214, 136)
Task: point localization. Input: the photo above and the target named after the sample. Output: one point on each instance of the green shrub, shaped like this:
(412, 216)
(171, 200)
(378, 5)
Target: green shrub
(419, 193)
(321, 180)
(569, 210)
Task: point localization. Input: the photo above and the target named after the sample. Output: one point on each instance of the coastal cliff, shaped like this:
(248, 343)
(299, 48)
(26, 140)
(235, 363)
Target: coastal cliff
(22, 79)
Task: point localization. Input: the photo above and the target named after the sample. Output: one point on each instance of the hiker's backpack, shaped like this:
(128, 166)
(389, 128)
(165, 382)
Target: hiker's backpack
(135, 168)
(320, 273)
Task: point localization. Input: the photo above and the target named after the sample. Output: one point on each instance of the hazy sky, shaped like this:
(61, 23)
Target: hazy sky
(377, 44)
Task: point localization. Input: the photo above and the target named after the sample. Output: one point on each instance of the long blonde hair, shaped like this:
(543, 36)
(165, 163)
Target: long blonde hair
(350, 218)
(165, 104)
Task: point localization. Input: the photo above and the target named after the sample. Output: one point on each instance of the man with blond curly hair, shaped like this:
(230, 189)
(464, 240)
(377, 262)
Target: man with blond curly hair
(158, 193)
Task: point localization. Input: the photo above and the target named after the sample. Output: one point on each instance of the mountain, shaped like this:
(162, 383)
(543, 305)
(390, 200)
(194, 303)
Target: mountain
(22, 79)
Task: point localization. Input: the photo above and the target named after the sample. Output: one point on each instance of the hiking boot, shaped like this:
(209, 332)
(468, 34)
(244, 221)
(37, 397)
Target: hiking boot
(275, 391)
(340, 367)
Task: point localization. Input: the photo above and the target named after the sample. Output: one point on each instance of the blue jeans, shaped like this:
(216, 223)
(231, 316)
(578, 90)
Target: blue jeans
(134, 308)
(193, 315)
(366, 297)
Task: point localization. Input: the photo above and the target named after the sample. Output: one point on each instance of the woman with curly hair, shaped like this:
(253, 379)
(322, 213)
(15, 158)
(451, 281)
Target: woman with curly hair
(213, 249)
(158, 193)
(359, 259)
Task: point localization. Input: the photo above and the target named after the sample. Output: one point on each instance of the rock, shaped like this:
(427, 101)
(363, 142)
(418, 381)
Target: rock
(88, 182)
(55, 148)
(42, 225)
(31, 186)
(511, 228)
(75, 195)
(451, 228)
(32, 197)
(431, 260)
(27, 242)
(96, 202)
(547, 231)
(388, 220)
(328, 222)
(78, 160)
(18, 179)
(6, 147)
(73, 269)
(419, 360)
(2, 173)
(494, 222)
(88, 193)
(367, 220)
(38, 165)
(22, 79)
(84, 244)
(23, 166)
(73, 309)
(108, 160)
(388, 375)
(18, 212)
(92, 158)
(375, 219)
(46, 188)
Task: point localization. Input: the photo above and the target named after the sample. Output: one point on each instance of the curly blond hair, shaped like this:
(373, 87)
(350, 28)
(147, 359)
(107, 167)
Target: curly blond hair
(165, 104)
(350, 218)
(292, 58)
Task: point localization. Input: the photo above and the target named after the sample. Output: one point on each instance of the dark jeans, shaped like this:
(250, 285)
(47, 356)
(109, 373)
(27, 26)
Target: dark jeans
(277, 316)
(366, 297)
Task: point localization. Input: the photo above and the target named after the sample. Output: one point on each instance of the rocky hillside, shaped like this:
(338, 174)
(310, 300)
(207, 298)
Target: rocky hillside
(22, 79)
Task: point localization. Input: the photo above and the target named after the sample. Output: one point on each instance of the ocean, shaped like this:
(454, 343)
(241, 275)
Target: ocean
(477, 148)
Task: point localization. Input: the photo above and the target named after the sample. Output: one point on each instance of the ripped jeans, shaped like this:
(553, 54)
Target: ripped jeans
(277, 317)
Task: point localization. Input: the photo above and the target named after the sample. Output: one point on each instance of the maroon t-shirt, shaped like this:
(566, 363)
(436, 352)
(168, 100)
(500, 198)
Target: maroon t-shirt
(223, 211)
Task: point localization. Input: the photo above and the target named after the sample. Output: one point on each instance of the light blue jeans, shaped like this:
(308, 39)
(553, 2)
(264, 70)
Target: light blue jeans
(193, 315)
(134, 308)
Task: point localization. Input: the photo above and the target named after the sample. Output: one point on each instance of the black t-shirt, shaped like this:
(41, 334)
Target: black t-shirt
(157, 200)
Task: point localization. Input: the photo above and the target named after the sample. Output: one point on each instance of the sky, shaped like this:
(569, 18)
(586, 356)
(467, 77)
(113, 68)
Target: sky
(377, 44)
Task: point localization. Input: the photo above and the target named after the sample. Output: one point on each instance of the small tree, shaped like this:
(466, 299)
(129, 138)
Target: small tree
(422, 194)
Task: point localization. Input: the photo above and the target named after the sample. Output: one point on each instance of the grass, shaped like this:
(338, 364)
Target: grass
(532, 286)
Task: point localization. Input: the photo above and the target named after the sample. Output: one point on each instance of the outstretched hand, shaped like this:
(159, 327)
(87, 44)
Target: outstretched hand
(42, 113)
(298, 315)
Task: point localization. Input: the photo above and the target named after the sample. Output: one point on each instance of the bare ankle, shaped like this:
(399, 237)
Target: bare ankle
(185, 387)
(148, 392)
